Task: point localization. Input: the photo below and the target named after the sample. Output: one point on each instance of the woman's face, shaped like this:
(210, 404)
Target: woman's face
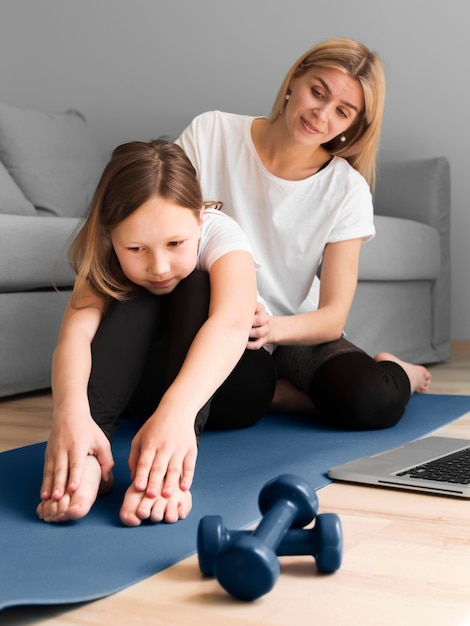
(157, 244)
(323, 104)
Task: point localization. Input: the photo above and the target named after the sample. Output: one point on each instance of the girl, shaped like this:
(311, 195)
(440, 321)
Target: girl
(159, 316)
(298, 182)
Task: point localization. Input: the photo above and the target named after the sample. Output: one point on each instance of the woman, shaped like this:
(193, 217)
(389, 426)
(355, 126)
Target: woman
(299, 184)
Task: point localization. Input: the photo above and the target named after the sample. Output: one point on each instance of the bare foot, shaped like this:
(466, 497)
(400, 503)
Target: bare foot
(290, 399)
(137, 507)
(73, 506)
(420, 377)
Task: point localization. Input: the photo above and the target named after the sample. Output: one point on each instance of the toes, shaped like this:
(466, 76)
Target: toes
(138, 507)
(129, 519)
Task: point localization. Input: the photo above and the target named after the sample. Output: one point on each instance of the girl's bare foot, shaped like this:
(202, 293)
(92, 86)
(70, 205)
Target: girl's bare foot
(137, 507)
(420, 377)
(73, 506)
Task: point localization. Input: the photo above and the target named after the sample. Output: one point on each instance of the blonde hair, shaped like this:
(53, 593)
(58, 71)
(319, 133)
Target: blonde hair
(358, 62)
(136, 172)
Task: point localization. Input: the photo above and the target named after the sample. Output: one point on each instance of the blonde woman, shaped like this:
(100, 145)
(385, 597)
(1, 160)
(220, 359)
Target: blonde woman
(299, 184)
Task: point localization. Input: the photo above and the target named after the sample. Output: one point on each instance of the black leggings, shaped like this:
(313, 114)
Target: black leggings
(140, 346)
(348, 388)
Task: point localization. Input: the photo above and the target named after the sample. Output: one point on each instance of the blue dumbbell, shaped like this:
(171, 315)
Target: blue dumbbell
(247, 567)
(324, 542)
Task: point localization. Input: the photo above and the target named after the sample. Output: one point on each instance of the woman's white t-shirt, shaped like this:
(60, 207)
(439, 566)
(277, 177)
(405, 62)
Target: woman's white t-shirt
(288, 223)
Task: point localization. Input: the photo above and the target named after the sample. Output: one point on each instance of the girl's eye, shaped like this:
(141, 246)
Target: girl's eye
(342, 113)
(175, 244)
(134, 249)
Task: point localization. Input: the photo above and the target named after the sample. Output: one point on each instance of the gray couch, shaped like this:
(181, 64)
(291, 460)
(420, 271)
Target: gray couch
(49, 167)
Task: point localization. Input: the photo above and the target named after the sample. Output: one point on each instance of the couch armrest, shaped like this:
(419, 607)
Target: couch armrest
(33, 252)
(419, 190)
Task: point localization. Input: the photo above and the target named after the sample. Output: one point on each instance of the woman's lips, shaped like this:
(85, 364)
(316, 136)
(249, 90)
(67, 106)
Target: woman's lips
(309, 127)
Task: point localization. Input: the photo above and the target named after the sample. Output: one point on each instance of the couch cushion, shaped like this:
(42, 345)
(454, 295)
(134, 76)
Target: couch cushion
(401, 250)
(12, 199)
(52, 157)
(33, 252)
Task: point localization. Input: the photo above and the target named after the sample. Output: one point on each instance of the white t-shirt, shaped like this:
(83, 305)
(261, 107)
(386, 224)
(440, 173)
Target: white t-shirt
(288, 223)
(220, 234)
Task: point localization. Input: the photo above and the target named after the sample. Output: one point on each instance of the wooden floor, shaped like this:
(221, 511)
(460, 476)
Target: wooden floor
(406, 560)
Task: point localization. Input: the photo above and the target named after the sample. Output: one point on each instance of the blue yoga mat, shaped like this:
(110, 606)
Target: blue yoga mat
(94, 557)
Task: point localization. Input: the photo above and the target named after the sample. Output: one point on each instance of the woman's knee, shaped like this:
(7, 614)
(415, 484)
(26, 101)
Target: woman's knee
(353, 391)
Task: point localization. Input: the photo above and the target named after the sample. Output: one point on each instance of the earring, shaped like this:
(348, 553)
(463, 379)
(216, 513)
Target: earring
(342, 138)
(283, 105)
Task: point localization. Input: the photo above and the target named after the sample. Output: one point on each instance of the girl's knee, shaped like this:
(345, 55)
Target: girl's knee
(245, 397)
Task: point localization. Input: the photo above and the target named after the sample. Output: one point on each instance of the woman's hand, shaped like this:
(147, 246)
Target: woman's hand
(72, 439)
(260, 329)
(163, 455)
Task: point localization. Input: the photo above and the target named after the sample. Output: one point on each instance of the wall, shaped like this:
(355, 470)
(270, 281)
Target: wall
(141, 68)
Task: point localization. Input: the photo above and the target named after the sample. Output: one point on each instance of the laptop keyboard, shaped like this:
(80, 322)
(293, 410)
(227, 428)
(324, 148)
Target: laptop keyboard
(453, 468)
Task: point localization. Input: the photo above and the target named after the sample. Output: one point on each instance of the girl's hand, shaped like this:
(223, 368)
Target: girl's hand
(260, 329)
(163, 455)
(72, 439)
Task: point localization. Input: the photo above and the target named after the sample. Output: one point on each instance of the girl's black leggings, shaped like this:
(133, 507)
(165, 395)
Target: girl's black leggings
(141, 344)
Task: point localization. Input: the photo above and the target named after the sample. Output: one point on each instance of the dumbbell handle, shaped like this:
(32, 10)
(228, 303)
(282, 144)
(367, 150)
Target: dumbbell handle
(275, 523)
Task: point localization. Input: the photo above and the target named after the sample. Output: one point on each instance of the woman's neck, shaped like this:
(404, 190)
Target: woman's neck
(283, 158)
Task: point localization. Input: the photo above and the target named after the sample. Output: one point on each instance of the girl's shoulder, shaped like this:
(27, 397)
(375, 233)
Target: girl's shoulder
(216, 220)
(220, 234)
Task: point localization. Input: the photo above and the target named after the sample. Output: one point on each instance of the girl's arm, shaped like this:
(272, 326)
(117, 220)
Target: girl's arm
(74, 433)
(164, 451)
(337, 288)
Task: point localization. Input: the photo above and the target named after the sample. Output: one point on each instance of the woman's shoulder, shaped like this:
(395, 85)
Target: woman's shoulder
(215, 120)
(341, 170)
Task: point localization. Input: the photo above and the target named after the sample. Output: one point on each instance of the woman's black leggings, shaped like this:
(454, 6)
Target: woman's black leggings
(348, 388)
(138, 351)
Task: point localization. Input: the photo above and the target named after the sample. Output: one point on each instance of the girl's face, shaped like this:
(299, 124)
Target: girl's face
(323, 104)
(157, 244)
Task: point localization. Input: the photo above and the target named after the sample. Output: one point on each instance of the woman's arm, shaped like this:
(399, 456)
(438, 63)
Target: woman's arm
(337, 288)
(74, 433)
(164, 451)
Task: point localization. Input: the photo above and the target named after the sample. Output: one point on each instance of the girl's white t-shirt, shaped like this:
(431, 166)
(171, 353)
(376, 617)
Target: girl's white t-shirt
(220, 234)
(287, 223)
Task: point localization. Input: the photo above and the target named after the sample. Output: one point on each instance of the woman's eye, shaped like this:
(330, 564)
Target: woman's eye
(342, 113)
(134, 249)
(316, 93)
(175, 244)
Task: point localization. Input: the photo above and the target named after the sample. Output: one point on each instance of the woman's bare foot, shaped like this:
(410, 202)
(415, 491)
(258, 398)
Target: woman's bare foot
(420, 377)
(137, 507)
(73, 506)
(290, 399)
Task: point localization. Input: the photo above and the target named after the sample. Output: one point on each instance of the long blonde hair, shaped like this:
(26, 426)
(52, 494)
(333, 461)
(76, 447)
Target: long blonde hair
(136, 172)
(358, 62)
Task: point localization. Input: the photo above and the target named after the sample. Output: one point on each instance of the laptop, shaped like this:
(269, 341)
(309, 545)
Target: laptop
(436, 465)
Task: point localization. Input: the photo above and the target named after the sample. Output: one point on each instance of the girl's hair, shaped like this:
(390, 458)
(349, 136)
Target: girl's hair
(358, 62)
(136, 172)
